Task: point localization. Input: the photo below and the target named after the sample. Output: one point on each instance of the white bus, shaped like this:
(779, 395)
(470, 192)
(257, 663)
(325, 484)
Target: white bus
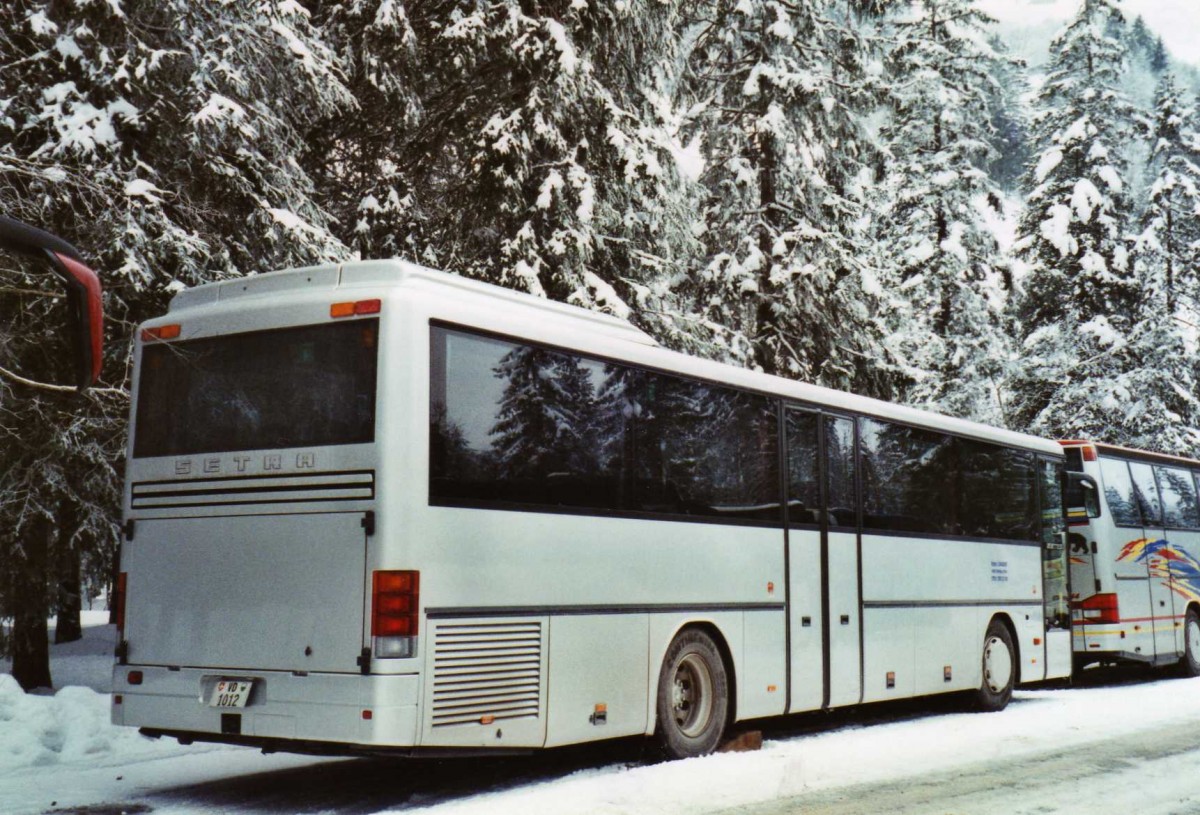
(1135, 571)
(374, 507)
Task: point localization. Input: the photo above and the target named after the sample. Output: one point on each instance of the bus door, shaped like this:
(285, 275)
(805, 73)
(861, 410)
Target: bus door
(1155, 627)
(1169, 562)
(805, 558)
(842, 574)
(1055, 572)
(822, 512)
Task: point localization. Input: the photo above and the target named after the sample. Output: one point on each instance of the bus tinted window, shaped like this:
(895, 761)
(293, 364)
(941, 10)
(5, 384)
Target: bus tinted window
(909, 478)
(997, 491)
(1179, 498)
(804, 489)
(520, 424)
(839, 464)
(295, 387)
(1118, 492)
(1146, 491)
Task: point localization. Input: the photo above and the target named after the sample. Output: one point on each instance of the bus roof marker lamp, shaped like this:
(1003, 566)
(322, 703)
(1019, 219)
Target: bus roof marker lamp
(83, 292)
(161, 332)
(355, 309)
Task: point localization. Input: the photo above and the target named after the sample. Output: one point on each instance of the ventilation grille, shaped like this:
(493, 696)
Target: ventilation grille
(486, 670)
(237, 491)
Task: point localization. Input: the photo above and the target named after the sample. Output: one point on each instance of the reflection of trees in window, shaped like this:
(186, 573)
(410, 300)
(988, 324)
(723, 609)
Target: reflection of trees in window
(449, 451)
(545, 416)
(1179, 498)
(997, 491)
(839, 464)
(1147, 493)
(1118, 492)
(675, 445)
(804, 492)
(568, 431)
(909, 478)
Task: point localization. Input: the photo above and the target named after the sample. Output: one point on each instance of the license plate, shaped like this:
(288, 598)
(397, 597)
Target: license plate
(230, 693)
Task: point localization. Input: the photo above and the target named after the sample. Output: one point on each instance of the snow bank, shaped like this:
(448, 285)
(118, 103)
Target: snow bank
(71, 726)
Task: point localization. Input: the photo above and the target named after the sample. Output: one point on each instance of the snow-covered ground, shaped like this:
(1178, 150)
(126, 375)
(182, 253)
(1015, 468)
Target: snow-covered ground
(60, 752)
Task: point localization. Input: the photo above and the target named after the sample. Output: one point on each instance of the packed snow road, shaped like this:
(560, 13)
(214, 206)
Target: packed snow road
(1156, 772)
(1122, 740)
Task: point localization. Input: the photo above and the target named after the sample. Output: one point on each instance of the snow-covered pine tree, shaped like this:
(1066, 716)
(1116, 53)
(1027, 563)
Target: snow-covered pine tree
(1010, 119)
(162, 139)
(939, 259)
(778, 90)
(1078, 305)
(1163, 412)
(1170, 236)
(530, 145)
(367, 167)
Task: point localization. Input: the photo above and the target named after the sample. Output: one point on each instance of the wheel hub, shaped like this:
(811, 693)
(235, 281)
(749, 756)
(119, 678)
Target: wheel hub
(692, 695)
(997, 665)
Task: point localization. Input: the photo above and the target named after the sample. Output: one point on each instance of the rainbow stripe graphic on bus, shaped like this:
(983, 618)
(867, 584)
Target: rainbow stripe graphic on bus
(1166, 561)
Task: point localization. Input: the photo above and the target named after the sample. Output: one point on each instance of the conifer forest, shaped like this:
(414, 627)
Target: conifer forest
(871, 195)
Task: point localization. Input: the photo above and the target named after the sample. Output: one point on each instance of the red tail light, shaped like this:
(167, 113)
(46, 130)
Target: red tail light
(395, 598)
(1100, 608)
(120, 603)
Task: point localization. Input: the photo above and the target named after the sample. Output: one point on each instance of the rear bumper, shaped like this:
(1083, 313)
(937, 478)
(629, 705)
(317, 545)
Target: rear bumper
(331, 713)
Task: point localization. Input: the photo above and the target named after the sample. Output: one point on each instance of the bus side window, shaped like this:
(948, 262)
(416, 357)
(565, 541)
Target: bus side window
(1147, 493)
(841, 496)
(804, 493)
(1118, 492)
(1179, 498)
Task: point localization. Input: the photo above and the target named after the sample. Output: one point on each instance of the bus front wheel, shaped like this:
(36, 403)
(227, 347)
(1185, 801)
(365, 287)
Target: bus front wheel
(999, 668)
(1191, 644)
(693, 696)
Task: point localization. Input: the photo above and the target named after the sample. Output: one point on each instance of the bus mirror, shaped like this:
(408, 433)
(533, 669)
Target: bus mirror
(79, 328)
(1083, 497)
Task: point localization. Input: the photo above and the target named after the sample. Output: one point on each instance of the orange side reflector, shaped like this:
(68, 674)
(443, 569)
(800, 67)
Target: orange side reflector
(601, 708)
(358, 307)
(1089, 453)
(486, 719)
(162, 332)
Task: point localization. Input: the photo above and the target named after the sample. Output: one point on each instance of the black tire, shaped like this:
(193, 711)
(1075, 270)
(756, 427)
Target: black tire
(693, 697)
(1190, 664)
(999, 664)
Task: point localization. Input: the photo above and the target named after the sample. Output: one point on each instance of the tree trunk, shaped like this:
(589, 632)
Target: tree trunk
(70, 593)
(30, 634)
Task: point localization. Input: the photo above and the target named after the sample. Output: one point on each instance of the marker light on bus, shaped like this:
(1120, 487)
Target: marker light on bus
(160, 332)
(395, 598)
(1100, 608)
(356, 308)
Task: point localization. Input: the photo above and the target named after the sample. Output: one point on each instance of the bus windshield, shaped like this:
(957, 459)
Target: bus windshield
(294, 387)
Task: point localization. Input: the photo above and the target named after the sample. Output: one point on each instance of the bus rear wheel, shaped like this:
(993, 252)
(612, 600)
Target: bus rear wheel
(999, 669)
(693, 696)
(1191, 644)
